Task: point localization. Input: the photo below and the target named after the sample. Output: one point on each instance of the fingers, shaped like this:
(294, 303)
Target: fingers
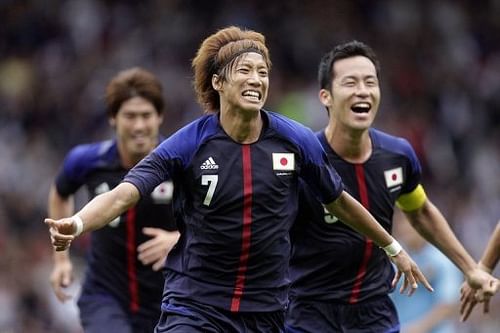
(422, 279)
(396, 278)
(60, 241)
(158, 265)
(486, 306)
(466, 309)
(151, 231)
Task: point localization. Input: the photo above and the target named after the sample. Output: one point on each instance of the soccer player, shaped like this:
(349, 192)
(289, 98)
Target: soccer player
(470, 297)
(236, 172)
(340, 280)
(123, 282)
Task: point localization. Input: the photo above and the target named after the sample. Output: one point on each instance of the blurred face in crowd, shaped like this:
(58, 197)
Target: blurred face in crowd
(354, 98)
(247, 84)
(137, 125)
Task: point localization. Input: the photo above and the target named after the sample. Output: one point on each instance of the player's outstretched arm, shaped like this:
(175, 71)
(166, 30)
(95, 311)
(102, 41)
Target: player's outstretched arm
(469, 297)
(351, 212)
(94, 215)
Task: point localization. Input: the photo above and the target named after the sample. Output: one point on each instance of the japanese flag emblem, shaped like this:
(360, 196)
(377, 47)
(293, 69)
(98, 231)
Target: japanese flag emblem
(393, 177)
(283, 161)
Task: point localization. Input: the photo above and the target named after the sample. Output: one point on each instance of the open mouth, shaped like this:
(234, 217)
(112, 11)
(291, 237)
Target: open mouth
(361, 107)
(252, 95)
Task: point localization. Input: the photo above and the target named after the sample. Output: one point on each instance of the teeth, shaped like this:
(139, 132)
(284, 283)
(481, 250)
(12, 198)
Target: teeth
(361, 105)
(251, 93)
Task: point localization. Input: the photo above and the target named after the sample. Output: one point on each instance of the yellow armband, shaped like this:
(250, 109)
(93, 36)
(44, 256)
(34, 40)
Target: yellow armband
(412, 201)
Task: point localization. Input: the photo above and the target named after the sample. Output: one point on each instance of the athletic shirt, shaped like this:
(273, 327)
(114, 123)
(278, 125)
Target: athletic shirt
(332, 262)
(113, 269)
(235, 204)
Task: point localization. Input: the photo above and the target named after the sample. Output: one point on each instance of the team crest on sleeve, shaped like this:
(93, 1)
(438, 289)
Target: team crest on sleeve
(163, 193)
(393, 177)
(283, 161)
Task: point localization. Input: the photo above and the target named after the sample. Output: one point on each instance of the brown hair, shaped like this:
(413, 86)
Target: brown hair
(130, 83)
(217, 55)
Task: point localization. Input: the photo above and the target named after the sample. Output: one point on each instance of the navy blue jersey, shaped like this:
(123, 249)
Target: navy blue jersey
(332, 262)
(235, 204)
(113, 268)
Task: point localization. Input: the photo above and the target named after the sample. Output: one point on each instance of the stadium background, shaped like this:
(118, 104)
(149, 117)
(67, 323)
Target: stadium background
(440, 89)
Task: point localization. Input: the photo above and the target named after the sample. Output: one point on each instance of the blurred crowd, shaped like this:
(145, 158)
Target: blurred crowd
(440, 90)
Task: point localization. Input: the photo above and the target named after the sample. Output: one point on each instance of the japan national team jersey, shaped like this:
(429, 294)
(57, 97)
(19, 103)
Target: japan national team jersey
(332, 262)
(113, 268)
(234, 204)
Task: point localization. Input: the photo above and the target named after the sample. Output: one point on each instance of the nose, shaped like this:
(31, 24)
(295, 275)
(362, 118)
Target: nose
(139, 123)
(254, 78)
(362, 89)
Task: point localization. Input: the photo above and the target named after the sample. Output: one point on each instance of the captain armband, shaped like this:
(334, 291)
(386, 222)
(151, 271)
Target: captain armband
(412, 201)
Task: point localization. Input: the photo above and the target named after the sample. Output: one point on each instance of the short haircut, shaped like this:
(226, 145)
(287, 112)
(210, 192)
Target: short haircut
(130, 83)
(218, 54)
(343, 51)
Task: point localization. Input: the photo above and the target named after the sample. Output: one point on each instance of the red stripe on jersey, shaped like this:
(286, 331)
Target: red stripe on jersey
(363, 194)
(246, 232)
(131, 255)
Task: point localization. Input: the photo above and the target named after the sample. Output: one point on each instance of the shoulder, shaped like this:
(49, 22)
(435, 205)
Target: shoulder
(82, 158)
(86, 153)
(392, 143)
(184, 142)
(291, 130)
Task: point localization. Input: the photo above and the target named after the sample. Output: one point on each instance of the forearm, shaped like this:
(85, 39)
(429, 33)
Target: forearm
(351, 212)
(107, 206)
(59, 207)
(431, 224)
(491, 255)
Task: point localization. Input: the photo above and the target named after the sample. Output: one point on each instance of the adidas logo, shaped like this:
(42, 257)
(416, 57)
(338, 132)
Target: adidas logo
(209, 164)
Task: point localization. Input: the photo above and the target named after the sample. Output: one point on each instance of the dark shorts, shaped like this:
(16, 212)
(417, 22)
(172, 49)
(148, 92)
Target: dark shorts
(104, 314)
(376, 316)
(190, 317)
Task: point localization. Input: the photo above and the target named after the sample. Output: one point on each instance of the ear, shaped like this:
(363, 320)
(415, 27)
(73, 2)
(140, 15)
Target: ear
(216, 82)
(325, 97)
(112, 121)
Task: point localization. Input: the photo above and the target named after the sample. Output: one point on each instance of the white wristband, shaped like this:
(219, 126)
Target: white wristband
(78, 225)
(393, 249)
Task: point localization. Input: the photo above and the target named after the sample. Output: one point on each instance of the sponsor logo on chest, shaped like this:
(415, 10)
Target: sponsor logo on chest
(209, 164)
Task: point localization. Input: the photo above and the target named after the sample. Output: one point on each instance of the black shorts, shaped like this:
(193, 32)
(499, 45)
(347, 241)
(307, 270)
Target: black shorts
(191, 317)
(102, 313)
(375, 316)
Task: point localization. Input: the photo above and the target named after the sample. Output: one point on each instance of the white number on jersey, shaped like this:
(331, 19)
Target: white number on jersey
(211, 181)
(329, 217)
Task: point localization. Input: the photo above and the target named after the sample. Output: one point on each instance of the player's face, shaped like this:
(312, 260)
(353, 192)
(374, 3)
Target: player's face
(354, 98)
(247, 85)
(137, 125)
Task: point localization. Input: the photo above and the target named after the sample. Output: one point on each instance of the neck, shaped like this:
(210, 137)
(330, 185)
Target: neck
(129, 160)
(352, 145)
(241, 125)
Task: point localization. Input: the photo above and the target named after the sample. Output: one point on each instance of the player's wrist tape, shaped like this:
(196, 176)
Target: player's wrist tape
(484, 268)
(393, 249)
(78, 225)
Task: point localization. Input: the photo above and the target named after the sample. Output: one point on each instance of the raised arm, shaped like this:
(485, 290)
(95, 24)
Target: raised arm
(351, 212)
(94, 215)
